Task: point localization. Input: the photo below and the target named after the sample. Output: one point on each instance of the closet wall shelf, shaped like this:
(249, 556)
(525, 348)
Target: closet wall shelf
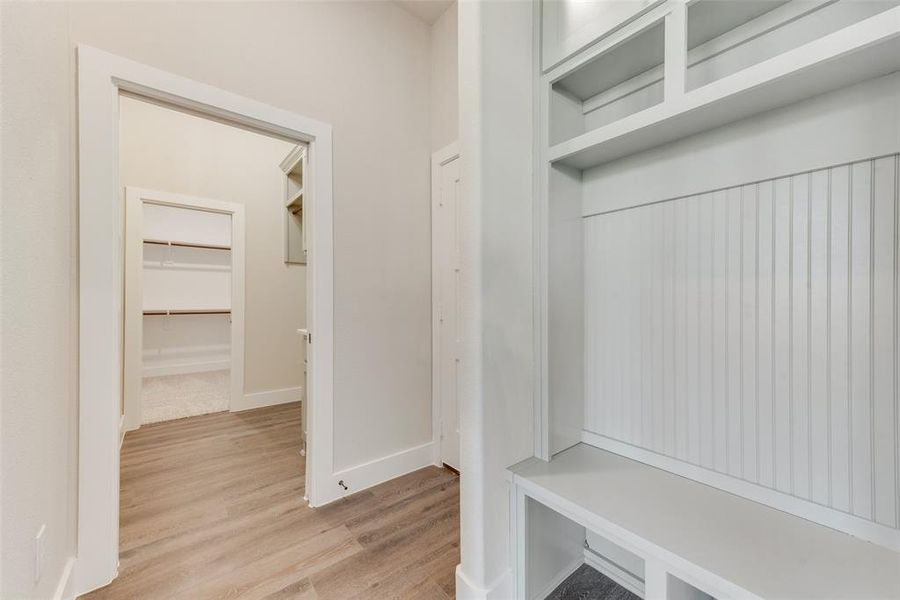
(865, 50)
(181, 244)
(295, 201)
(187, 311)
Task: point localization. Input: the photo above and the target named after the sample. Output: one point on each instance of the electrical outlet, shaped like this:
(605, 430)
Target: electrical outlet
(39, 553)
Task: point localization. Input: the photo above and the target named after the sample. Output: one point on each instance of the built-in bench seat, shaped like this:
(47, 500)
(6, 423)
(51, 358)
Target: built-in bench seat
(721, 544)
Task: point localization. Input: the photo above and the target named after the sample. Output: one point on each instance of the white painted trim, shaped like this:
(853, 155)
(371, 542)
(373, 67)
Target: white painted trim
(500, 588)
(651, 553)
(556, 51)
(101, 77)
(267, 398)
(135, 198)
(559, 578)
(675, 64)
(184, 369)
(385, 468)
(742, 34)
(822, 515)
(540, 193)
(438, 159)
(606, 567)
(62, 590)
(857, 52)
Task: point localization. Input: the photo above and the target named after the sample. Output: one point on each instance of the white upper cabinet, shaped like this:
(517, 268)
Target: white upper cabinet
(570, 25)
(661, 71)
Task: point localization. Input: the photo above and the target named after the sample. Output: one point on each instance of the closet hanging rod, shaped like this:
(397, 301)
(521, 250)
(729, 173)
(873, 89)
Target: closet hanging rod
(187, 244)
(188, 311)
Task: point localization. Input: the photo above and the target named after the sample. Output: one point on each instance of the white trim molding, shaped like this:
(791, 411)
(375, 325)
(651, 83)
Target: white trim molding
(608, 568)
(384, 469)
(101, 78)
(63, 589)
(500, 589)
(557, 579)
(184, 368)
(267, 398)
(439, 158)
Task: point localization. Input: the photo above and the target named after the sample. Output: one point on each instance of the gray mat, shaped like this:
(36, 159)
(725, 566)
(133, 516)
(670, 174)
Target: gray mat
(588, 584)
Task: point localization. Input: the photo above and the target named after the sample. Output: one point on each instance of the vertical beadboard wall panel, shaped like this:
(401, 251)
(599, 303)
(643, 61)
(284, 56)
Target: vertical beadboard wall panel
(753, 331)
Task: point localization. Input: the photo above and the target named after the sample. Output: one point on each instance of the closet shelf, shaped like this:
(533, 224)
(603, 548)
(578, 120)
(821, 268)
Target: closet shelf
(865, 50)
(187, 311)
(295, 201)
(181, 244)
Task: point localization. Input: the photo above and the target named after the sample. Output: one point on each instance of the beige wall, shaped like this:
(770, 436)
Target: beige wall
(363, 67)
(37, 266)
(444, 80)
(171, 151)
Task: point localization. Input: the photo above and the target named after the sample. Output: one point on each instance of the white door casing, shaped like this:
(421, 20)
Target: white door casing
(446, 318)
(135, 198)
(101, 77)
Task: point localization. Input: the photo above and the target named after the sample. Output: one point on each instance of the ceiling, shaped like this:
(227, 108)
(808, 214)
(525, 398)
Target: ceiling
(427, 10)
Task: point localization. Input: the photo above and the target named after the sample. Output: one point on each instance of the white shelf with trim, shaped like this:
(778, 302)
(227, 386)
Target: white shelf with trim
(185, 311)
(294, 168)
(688, 534)
(294, 201)
(186, 244)
(864, 50)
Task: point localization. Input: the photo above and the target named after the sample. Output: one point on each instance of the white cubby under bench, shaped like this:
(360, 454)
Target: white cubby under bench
(718, 268)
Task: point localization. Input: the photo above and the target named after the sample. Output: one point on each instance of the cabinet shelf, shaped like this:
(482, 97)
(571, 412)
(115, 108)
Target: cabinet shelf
(165, 312)
(294, 202)
(182, 244)
(865, 50)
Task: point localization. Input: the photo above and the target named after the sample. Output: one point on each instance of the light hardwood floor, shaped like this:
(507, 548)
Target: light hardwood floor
(212, 507)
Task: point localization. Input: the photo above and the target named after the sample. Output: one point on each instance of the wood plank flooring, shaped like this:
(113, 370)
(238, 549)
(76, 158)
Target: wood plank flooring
(212, 507)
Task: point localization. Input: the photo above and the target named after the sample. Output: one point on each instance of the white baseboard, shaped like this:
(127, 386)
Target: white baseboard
(383, 469)
(625, 578)
(559, 578)
(63, 589)
(500, 589)
(151, 370)
(268, 398)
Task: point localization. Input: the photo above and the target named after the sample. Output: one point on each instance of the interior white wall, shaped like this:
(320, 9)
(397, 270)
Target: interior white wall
(39, 312)
(381, 166)
(444, 79)
(369, 86)
(496, 398)
(172, 151)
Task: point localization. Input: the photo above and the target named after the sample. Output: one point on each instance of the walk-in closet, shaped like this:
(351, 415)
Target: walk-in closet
(186, 301)
(215, 266)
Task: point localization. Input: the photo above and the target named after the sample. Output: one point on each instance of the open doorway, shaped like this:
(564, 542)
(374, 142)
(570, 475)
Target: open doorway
(184, 300)
(206, 273)
(105, 81)
(214, 312)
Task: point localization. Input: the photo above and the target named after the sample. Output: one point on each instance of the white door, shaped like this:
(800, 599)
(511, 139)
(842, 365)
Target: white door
(446, 298)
